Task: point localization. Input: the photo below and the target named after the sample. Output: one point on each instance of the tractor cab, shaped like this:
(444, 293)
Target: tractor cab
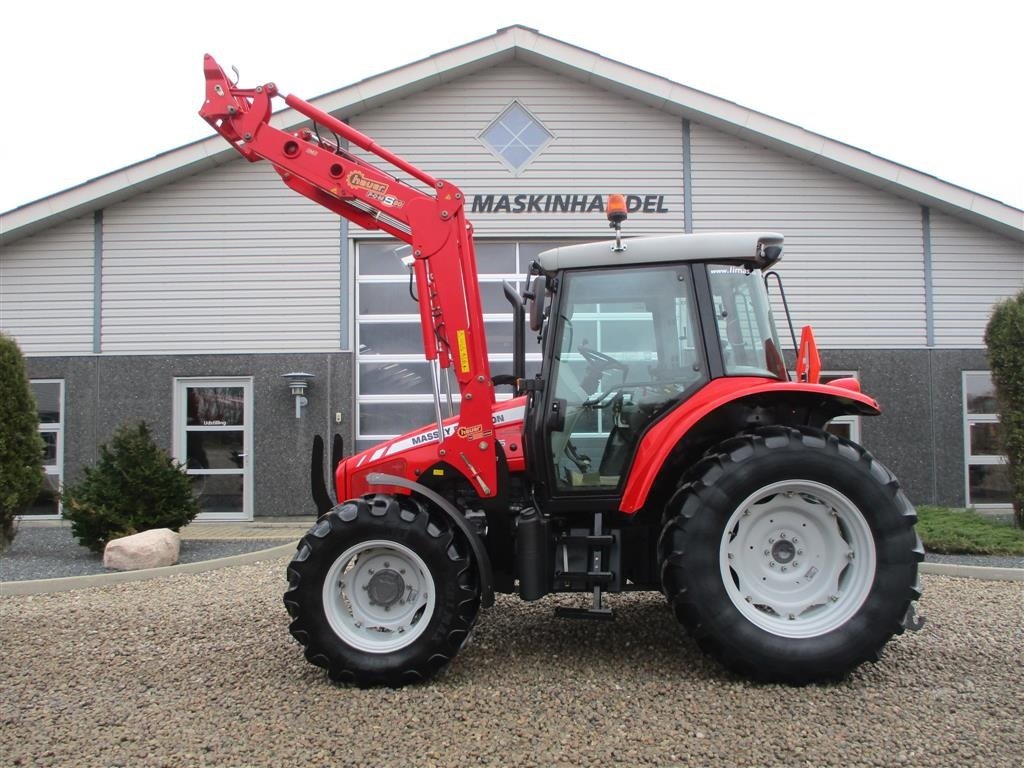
(632, 331)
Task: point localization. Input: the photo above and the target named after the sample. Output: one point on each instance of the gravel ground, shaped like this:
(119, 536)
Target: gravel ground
(199, 670)
(50, 553)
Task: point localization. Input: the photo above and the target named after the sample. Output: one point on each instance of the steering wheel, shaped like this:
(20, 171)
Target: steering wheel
(600, 360)
(598, 363)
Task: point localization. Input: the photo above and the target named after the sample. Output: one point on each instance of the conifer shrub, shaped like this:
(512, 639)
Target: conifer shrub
(1004, 338)
(135, 486)
(21, 447)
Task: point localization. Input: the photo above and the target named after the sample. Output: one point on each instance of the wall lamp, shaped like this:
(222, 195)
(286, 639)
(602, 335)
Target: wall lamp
(298, 382)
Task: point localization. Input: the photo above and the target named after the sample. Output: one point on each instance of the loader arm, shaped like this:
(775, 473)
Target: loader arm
(434, 224)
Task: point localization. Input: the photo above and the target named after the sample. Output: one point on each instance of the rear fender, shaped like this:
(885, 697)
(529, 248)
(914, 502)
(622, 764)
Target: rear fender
(727, 406)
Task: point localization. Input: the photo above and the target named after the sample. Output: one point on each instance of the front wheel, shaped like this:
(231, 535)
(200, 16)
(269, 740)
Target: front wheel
(790, 555)
(382, 592)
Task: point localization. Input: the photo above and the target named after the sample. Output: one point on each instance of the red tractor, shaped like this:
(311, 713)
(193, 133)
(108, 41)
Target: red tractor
(693, 464)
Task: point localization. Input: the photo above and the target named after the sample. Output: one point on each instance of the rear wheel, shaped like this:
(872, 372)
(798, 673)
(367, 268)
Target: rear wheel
(790, 555)
(382, 592)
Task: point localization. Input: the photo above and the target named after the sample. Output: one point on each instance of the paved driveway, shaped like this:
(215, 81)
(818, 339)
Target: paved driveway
(200, 670)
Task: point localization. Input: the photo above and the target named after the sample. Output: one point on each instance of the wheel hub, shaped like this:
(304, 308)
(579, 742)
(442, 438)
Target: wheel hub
(385, 588)
(786, 558)
(378, 596)
(783, 551)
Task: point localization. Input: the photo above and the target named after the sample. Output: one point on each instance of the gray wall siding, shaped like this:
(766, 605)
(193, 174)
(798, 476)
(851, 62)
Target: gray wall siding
(230, 260)
(972, 270)
(919, 434)
(103, 392)
(46, 290)
(853, 263)
(603, 143)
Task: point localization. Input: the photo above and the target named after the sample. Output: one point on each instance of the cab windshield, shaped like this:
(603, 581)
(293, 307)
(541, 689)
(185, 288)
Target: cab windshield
(746, 330)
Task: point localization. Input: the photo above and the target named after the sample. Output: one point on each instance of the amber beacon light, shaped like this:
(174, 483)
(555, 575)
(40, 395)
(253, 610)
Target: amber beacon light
(616, 209)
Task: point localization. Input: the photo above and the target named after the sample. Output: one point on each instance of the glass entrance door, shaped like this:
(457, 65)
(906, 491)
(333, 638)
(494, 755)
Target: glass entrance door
(213, 439)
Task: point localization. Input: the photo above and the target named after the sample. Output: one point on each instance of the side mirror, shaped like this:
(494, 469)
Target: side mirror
(535, 296)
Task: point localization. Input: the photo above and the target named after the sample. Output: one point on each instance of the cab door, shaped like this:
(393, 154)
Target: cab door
(623, 348)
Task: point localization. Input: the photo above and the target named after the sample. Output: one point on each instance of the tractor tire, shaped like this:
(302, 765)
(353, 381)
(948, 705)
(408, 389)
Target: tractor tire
(382, 591)
(790, 555)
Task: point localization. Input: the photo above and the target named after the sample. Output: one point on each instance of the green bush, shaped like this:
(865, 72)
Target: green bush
(135, 486)
(1004, 338)
(21, 447)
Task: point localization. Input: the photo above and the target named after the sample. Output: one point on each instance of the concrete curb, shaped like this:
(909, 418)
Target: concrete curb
(987, 572)
(46, 586)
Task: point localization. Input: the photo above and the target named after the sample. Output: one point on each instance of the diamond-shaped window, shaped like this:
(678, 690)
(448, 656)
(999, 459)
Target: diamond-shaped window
(516, 137)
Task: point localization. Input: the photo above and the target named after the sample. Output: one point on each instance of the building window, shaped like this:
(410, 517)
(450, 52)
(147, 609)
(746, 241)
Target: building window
(516, 137)
(393, 387)
(49, 394)
(987, 478)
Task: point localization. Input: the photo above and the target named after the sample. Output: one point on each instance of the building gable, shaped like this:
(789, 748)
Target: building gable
(602, 142)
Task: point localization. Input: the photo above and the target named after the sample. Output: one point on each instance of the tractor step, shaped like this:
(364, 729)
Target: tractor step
(580, 581)
(599, 545)
(599, 614)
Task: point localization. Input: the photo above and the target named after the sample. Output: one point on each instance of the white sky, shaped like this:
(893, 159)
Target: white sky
(90, 87)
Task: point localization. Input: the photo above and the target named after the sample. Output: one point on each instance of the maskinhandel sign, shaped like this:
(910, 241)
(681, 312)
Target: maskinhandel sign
(544, 203)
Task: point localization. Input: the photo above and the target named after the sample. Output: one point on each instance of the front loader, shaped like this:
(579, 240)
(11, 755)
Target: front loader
(663, 445)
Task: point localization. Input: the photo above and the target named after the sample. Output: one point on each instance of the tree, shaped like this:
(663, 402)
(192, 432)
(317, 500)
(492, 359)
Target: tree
(1004, 338)
(135, 486)
(21, 447)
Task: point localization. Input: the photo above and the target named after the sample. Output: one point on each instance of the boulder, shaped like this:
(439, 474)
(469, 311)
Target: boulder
(149, 549)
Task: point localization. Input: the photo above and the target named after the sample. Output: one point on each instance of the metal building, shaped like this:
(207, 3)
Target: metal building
(182, 289)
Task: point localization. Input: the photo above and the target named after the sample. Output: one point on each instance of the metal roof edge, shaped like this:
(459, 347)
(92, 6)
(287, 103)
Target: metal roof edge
(533, 47)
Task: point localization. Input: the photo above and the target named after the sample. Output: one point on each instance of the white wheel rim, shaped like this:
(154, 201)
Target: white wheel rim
(378, 596)
(797, 559)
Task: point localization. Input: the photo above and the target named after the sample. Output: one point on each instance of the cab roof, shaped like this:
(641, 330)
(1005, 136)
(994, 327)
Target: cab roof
(732, 247)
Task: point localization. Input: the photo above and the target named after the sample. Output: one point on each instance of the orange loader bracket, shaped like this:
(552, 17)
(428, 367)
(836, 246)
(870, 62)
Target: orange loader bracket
(808, 361)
